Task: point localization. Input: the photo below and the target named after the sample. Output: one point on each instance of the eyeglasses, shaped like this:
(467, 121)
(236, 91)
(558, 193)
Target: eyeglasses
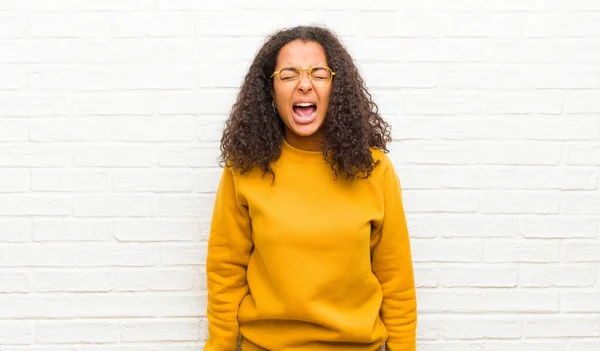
(318, 75)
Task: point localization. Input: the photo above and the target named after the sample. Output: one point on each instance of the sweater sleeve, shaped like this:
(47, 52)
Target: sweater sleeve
(229, 248)
(392, 265)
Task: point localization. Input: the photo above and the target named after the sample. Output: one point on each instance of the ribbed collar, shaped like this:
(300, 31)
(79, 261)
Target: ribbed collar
(302, 156)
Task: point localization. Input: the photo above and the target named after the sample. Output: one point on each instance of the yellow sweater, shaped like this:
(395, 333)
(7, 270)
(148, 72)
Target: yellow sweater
(309, 262)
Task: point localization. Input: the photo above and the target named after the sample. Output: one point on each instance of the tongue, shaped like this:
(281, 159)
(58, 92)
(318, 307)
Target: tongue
(304, 111)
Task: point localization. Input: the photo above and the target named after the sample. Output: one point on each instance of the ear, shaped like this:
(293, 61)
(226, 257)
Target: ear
(272, 94)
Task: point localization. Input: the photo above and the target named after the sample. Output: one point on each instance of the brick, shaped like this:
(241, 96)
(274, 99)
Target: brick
(184, 206)
(426, 277)
(66, 229)
(73, 281)
(154, 280)
(17, 333)
(10, 27)
(479, 276)
(13, 78)
(13, 130)
(183, 305)
(469, 225)
(414, 128)
(128, 103)
(526, 153)
(256, 23)
(521, 103)
(479, 178)
(543, 275)
(583, 154)
(19, 255)
(585, 302)
(162, 230)
(439, 201)
(561, 326)
(86, 25)
(114, 205)
(558, 227)
(68, 79)
(528, 250)
(556, 77)
(120, 255)
(175, 129)
(347, 5)
(487, 128)
(581, 102)
(35, 205)
(69, 180)
(561, 25)
(383, 75)
(14, 180)
(183, 255)
(580, 203)
(515, 5)
(11, 282)
(582, 50)
(455, 345)
(522, 50)
(469, 25)
(524, 345)
(582, 345)
(109, 51)
(157, 181)
(194, 5)
(487, 300)
(581, 251)
(211, 51)
(33, 105)
(420, 178)
(204, 101)
(206, 155)
(115, 156)
(477, 327)
(443, 6)
(426, 250)
(67, 332)
(30, 51)
(82, 305)
(398, 25)
(517, 202)
(15, 230)
(581, 5)
(35, 156)
(440, 153)
(163, 330)
(560, 179)
(441, 104)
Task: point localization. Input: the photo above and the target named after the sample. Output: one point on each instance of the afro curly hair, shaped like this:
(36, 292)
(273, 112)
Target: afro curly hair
(253, 133)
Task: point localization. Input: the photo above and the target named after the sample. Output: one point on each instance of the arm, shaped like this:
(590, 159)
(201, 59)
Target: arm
(392, 264)
(229, 247)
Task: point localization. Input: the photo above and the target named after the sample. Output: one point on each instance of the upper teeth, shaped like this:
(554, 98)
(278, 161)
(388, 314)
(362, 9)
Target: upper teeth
(304, 104)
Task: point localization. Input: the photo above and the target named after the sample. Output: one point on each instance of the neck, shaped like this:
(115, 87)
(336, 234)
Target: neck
(307, 143)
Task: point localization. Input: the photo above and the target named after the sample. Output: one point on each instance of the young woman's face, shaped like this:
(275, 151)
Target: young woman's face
(301, 102)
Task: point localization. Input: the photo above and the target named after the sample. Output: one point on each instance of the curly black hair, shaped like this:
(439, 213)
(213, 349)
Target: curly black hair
(254, 132)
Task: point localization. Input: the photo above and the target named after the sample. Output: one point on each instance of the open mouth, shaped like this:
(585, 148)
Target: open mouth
(304, 112)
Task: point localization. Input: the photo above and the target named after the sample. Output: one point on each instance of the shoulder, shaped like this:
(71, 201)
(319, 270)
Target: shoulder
(382, 159)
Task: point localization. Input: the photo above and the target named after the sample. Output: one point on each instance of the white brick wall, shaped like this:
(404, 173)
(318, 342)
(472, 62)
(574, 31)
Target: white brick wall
(110, 118)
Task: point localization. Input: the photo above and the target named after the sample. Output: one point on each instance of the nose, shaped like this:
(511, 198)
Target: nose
(304, 85)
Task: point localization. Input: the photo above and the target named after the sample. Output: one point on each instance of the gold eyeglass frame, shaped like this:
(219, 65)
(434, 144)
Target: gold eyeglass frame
(301, 70)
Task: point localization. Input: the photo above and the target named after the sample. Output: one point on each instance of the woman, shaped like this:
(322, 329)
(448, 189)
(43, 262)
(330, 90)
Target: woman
(308, 247)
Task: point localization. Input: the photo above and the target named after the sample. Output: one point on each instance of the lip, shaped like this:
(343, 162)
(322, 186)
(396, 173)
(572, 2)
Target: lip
(304, 100)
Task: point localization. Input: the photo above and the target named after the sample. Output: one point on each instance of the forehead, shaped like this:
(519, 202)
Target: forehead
(303, 53)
